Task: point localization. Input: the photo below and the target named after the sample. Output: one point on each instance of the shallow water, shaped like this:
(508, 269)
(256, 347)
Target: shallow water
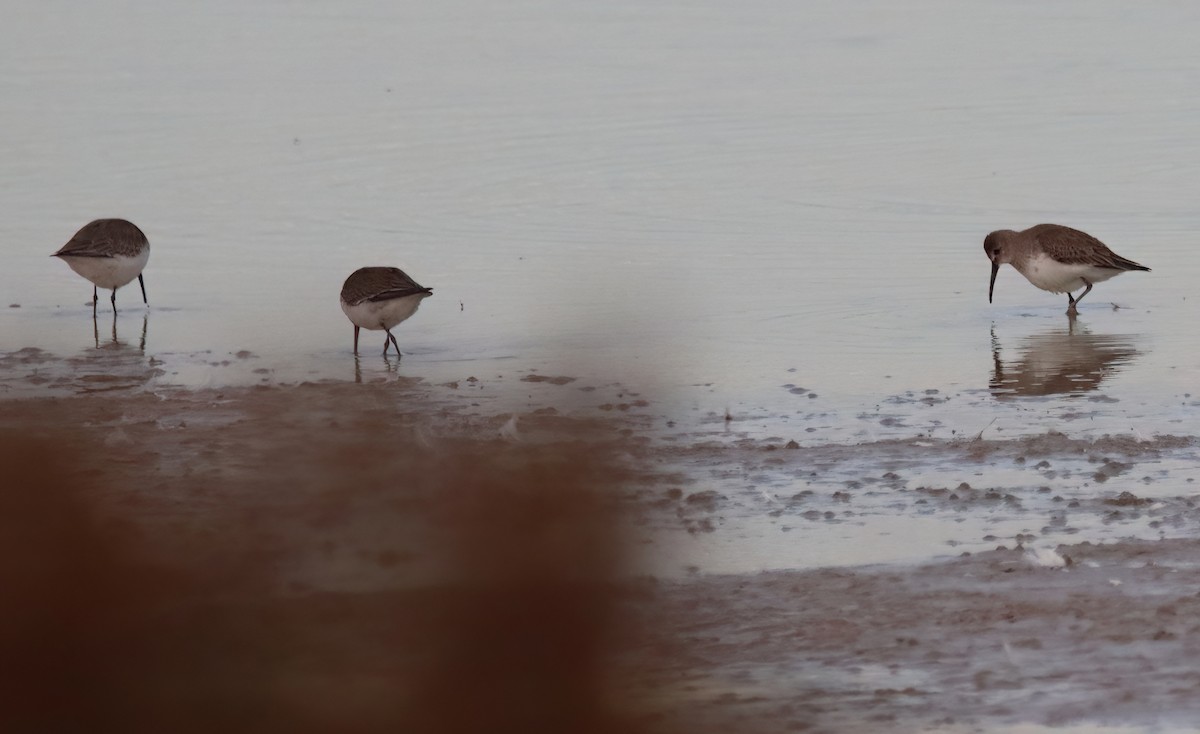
(767, 210)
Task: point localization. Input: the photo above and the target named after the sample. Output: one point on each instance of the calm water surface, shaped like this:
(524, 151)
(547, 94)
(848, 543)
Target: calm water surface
(728, 205)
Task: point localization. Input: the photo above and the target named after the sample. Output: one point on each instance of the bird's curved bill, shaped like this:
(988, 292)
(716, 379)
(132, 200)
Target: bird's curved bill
(992, 283)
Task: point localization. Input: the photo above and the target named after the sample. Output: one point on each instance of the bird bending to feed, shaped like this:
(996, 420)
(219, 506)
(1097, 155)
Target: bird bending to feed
(110, 253)
(1056, 259)
(380, 298)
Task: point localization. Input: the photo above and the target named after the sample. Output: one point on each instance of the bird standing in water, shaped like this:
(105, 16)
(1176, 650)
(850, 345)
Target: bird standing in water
(110, 253)
(1056, 259)
(379, 298)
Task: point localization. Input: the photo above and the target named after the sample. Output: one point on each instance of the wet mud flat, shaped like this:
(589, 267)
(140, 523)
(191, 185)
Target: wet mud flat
(985, 642)
(324, 557)
(365, 556)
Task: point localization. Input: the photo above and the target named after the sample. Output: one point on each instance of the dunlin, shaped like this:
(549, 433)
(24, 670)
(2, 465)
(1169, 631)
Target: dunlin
(110, 253)
(380, 298)
(1056, 259)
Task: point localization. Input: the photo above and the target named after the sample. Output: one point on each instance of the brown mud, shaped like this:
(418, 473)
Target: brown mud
(384, 556)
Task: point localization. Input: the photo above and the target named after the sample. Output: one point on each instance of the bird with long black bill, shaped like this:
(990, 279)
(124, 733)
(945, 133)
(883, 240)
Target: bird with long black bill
(1055, 258)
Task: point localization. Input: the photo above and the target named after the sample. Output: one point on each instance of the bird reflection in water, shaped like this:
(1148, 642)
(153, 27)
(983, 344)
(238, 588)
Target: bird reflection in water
(113, 342)
(1060, 361)
(390, 367)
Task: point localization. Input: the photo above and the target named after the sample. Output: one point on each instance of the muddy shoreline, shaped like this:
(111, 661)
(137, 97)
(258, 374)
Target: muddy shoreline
(978, 643)
(338, 510)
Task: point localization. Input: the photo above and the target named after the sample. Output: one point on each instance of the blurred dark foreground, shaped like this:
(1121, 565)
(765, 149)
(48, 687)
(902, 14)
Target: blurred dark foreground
(114, 621)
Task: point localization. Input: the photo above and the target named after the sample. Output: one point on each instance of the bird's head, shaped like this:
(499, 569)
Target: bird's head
(995, 246)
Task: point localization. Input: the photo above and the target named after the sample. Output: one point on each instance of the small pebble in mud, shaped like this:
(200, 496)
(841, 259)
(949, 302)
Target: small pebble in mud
(1042, 465)
(963, 486)
(1127, 499)
(812, 395)
(706, 500)
(791, 444)
(14, 305)
(560, 380)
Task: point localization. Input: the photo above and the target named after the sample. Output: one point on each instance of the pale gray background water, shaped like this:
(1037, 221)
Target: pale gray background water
(705, 200)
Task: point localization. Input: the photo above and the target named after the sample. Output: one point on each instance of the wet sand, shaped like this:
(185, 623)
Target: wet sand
(316, 554)
(986, 642)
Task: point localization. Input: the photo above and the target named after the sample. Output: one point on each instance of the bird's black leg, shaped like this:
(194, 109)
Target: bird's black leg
(356, 338)
(1085, 291)
(393, 338)
(142, 283)
(95, 300)
(387, 341)
(114, 300)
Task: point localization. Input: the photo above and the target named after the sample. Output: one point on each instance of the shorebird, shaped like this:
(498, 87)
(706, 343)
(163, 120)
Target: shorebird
(1056, 259)
(380, 298)
(110, 253)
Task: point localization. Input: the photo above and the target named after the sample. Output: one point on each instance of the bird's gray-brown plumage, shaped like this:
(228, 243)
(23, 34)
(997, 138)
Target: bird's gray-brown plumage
(1055, 258)
(109, 253)
(105, 238)
(379, 284)
(380, 298)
